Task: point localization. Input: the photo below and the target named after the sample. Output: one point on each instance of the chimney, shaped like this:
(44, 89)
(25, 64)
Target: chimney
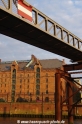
(33, 58)
(64, 62)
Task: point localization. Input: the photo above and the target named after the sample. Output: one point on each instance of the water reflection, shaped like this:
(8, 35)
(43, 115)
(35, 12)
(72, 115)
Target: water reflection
(24, 120)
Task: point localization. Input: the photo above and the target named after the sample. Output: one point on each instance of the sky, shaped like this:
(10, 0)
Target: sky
(68, 13)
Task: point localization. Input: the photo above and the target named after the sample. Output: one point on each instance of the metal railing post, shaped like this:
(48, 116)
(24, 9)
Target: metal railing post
(10, 5)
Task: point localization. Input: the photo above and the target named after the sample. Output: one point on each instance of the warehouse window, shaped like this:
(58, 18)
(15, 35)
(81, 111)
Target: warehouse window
(13, 81)
(46, 99)
(20, 80)
(46, 91)
(37, 86)
(37, 92)
(13, 87)
(46, 86)
(14, 70)
(46, 80)
(37, 75)
(28, 80)
(38, 69)
(38, 81)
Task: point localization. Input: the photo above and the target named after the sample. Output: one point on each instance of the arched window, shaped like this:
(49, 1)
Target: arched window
(13, 85)
(37, 81)
(14, 73)
(14, 70)
(38, 69)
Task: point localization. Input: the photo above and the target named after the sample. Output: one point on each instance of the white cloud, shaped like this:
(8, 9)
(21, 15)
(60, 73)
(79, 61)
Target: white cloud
(70, 2)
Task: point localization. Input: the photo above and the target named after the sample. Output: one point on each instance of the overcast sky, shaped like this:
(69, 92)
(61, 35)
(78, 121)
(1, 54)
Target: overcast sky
(67, 13)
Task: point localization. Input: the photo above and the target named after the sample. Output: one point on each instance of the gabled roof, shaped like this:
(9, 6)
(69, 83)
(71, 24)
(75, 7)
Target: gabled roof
(45, 63)
(5, 66)
(51, 63)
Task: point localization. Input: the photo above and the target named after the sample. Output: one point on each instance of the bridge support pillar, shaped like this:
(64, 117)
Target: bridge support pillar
(70, 103)
(57, 97)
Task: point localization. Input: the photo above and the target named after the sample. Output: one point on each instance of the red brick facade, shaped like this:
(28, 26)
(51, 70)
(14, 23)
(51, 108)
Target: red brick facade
(29, 79)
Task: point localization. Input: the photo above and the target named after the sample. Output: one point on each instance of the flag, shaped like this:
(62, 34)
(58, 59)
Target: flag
(24, 10)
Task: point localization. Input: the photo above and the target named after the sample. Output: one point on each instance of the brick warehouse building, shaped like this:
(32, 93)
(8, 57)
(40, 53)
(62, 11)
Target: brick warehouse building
(29, 80)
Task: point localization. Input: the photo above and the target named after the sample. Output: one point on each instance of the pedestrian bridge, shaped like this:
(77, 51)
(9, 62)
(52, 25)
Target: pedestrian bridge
(42, 32)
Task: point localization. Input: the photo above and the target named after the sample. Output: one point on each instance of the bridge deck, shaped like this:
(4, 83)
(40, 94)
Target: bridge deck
(18, 28)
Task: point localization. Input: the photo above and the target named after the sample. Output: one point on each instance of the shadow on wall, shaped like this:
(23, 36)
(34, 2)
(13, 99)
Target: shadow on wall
(20, 99)
(2, 100)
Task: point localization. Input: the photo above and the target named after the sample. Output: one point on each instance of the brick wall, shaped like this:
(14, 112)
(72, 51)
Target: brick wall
(32, 108)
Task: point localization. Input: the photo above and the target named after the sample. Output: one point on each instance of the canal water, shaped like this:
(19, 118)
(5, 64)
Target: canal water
(17, 120)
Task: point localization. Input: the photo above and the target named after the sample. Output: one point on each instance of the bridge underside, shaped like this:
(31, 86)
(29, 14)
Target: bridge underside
(12, 26)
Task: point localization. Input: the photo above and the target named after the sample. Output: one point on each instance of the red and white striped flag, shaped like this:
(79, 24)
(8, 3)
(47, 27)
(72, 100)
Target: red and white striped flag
(24, 10)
